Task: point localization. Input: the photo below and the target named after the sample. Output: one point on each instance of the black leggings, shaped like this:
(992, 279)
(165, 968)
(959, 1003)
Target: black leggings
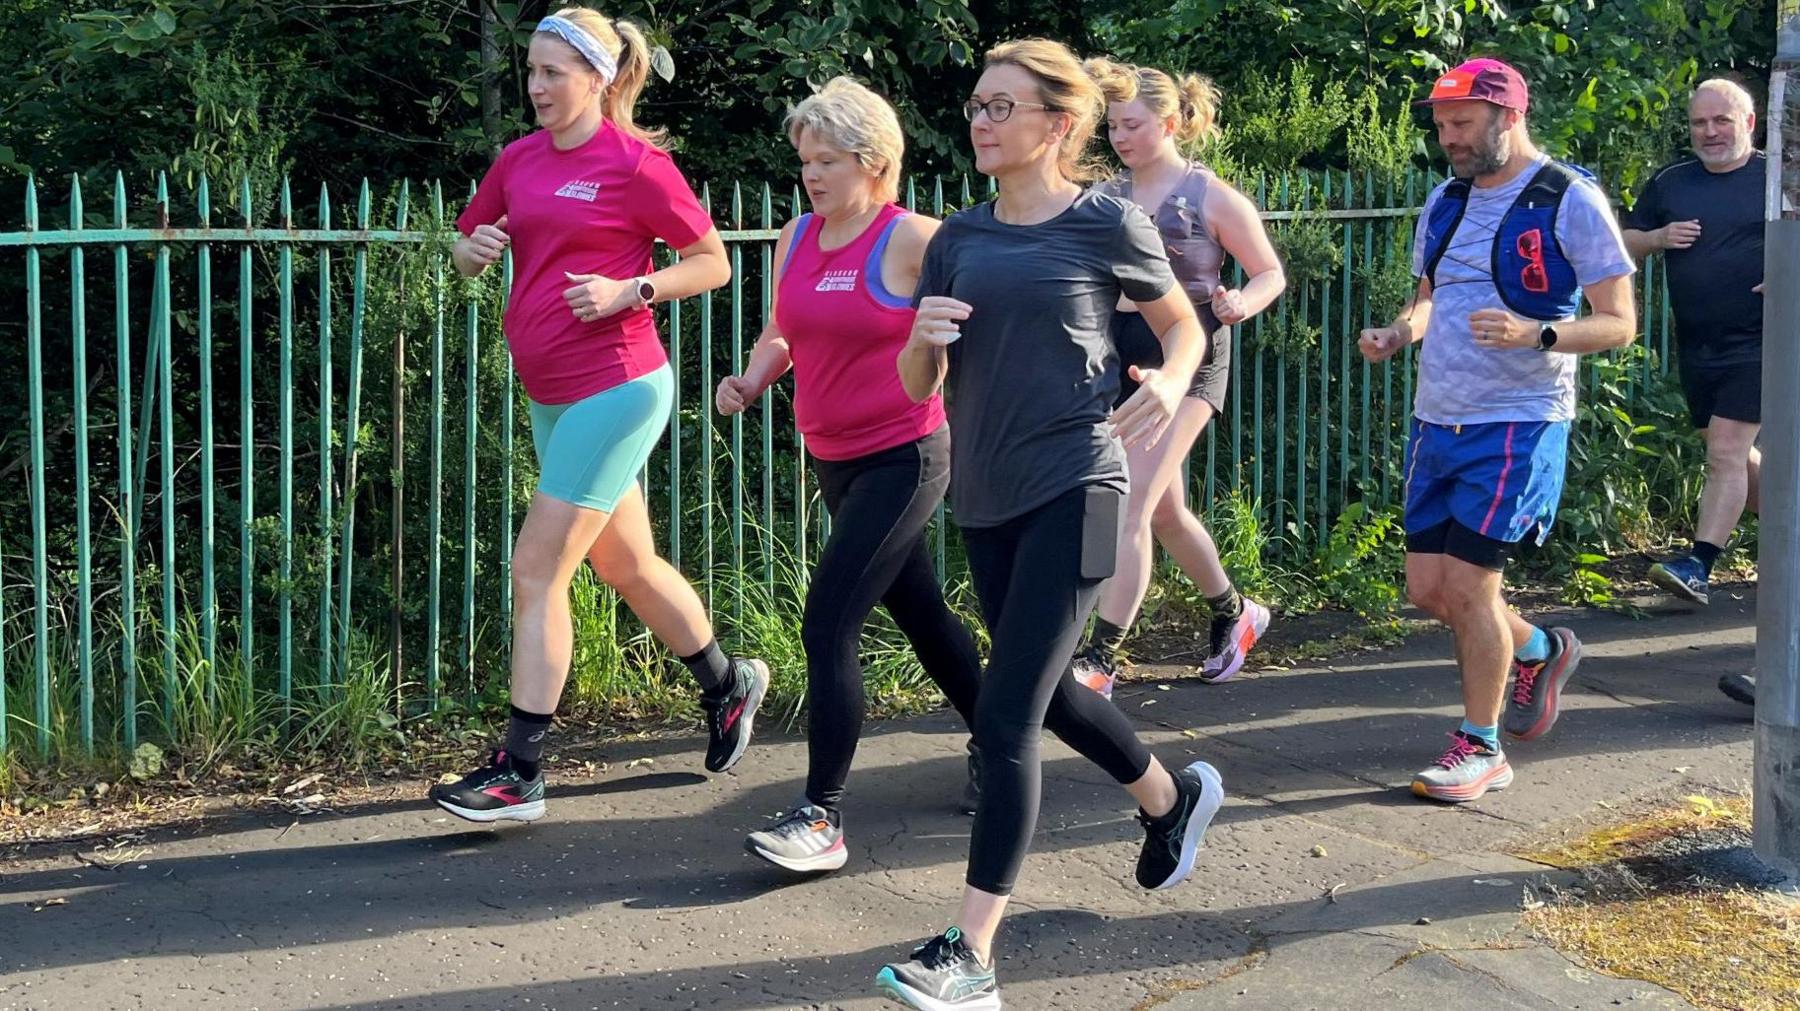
(879, 505)
(1038, 577)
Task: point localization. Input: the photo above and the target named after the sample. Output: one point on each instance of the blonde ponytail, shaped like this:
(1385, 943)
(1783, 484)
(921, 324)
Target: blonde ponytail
(625, 42)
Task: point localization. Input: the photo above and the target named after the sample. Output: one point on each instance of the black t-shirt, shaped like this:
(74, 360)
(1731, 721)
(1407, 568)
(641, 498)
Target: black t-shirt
(1031, 381)
(1718, 319)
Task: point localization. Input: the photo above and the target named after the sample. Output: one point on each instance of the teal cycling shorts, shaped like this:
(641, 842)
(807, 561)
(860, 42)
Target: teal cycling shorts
(591, 452)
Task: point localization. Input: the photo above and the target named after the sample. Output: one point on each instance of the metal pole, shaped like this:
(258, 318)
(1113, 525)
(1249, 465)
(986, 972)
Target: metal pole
(1776, 812)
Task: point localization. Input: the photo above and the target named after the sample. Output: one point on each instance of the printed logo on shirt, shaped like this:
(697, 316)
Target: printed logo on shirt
(580, 189)
(838, 280)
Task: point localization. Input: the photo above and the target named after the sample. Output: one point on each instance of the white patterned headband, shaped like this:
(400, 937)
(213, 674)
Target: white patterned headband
(584, 43)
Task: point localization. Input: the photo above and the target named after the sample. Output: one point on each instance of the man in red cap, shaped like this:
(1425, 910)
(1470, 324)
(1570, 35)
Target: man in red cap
(1505, 253)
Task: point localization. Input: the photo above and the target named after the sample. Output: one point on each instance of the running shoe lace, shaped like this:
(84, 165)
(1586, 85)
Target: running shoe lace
(938, 952)
(1460, 748)
(798, 822)
(1525, 679)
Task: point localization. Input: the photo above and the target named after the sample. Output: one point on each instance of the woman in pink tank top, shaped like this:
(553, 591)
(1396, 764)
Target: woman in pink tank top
(843, 311)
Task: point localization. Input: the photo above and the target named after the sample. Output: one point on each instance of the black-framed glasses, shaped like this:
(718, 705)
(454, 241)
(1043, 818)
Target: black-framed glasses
(998, 110)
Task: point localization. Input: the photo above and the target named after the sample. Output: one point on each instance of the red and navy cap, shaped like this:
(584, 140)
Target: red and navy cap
(1483, 80)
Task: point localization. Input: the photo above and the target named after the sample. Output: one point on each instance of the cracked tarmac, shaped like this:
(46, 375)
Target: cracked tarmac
(635, 891)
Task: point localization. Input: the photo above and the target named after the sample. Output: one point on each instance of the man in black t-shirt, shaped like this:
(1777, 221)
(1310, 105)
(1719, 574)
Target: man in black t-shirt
(1705, 215)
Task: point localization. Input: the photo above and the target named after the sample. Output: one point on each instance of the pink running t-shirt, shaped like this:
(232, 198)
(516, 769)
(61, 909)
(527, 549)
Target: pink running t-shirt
(593, 209)
(845, 331)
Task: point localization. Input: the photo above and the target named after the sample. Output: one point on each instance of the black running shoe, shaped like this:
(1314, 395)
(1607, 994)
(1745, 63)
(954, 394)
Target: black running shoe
(494, 792)
(1740, 687)
(729, 719)
(944, 973)
(1171, 842)
(971, 795)
(804, 840)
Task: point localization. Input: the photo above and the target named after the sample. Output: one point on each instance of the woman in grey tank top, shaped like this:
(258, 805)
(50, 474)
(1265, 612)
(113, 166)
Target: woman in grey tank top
(1201, 218)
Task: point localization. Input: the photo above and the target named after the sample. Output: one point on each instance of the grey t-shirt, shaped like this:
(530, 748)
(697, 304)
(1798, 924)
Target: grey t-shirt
(1032, 379)
(1462, 383)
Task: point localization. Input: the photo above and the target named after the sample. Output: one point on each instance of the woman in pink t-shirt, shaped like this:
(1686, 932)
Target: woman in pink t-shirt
(581, 204)
(843, 310)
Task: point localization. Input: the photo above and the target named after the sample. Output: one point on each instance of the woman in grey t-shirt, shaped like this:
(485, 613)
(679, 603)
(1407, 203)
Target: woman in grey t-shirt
(1200, 218)
(1015, 306)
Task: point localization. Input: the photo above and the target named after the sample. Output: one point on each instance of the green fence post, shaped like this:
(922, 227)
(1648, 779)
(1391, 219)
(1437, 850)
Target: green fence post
(737, 420)
(766, 528)
(209, 595)
(165, 365)
(246, 450)
(706, 424)
(352, 425)
(676, 518)
(435, 536)
(128, 505)
(509, 394)
(285, 495)
(471, 351)
(34, 350)
(84, 545)
(397, 478)
(327, 647)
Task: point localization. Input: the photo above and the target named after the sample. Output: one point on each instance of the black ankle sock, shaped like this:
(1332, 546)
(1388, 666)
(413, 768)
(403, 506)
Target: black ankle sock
(1707, 554)
(1107, 639)
(712, 669)
(1229, 604)
(526, 733)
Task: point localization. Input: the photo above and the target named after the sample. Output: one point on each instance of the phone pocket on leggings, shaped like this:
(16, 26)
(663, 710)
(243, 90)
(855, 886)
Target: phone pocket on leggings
(1099, 532)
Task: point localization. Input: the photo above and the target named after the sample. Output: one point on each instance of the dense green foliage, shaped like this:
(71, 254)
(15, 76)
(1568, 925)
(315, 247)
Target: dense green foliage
(329, 93)
(337, 91)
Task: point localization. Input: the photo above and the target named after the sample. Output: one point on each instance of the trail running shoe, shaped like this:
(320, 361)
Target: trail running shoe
(728, 720)
(1231, 640)
(1537, 688)
(971, 795)
(1740, 687)
(944, 973)
(1468, 769)
(1685, 577)
(493, 792)
(1171, 842)
(804, 840)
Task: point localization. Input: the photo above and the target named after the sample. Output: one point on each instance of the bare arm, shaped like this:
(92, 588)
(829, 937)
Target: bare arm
(701, 267)
(1378, 344)
(1240, 231)
(1142, 419)
(1612, 323)
(769, 359)
(905, 255)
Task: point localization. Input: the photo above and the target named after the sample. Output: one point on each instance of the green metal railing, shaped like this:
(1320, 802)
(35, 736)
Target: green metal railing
(290, 594)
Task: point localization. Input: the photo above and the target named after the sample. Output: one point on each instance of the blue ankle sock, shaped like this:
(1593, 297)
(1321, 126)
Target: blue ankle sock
(1489, 736)
(1536, 648)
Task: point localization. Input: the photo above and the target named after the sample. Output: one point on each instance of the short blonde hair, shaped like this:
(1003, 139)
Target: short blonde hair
(850, 117)
(1066, 88)
(1191, 100)
(626, 43)
(1734, 93)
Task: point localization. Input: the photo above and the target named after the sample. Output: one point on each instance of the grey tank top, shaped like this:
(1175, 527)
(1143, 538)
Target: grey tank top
(1194, 253)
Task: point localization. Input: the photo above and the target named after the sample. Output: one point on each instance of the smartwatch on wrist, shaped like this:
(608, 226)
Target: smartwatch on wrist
(644, 291)
(1546, 338)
